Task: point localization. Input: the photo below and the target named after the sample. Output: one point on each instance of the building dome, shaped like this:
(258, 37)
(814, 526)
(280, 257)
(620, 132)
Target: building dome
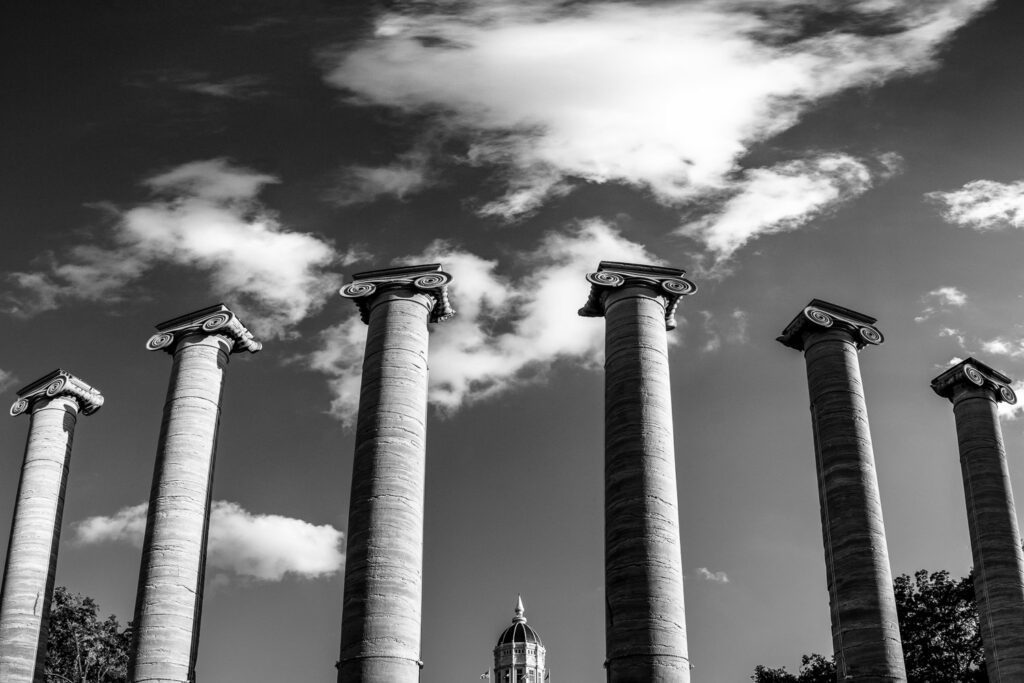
(519, 656)
(519, 631)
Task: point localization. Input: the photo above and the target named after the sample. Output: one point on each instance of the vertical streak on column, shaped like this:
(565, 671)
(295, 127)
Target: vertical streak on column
(645, 619)
(865, 626)
(974, 388)
(35, 532)
(168, 606)
(380, 632)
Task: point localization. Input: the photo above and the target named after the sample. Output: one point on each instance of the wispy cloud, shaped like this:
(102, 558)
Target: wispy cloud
(257, 546)
(983, 205)
(244, 87)
(731, 329)
(714, 577)
(508, 330)
(7, 380)
(357, 184)
(940, 299)
(664, 97)
(203, 215)
(782, 198)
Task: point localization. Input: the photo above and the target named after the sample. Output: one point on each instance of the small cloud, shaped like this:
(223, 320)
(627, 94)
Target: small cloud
(244, 87)
(714, 577)
(955, 334)
(7, 380)
(1003, 346)
(203, 215)
(360, 184)
(983, 205)
(731, 329)
(938, 300)
(238, 88)
(255, 546)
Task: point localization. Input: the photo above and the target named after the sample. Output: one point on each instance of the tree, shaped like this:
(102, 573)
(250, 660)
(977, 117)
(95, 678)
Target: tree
(938, 624)
(814, 668)
(80, 648)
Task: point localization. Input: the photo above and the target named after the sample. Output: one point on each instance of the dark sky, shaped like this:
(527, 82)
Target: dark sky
(157, 158)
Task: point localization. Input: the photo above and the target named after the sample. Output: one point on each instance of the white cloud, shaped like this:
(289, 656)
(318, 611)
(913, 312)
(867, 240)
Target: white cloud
(984, 205)
(256, 546)
(507, 330)
(779, 199)
(358, 184)
(204, 215)
(733, 329)
(948, 296)
(7, 379)
(665, 97)
(940, 299)
(714, 577)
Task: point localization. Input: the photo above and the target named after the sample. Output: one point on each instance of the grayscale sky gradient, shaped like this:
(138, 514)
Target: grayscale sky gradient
(156, 158)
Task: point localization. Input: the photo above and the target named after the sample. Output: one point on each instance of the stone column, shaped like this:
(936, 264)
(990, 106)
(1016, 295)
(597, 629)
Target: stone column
(169, 603)
(380, 626)
(54, 402)
(865, 628)
(645, 620)
(974, 389)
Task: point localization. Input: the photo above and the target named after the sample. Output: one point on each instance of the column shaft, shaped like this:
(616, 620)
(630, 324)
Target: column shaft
(169, 601)
(380, 632)
(35, 535)
(995, 537)
(865, 627)
(645, 625)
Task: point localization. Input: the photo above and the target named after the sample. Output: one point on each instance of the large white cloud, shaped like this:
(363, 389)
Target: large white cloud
(257, 546)
(984, 205)
(508, 330)
(204, 215)
(667, 97)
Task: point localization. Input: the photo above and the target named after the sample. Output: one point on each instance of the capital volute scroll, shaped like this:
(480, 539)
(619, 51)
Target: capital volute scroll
(426, 279)
(668, 283)
(217, 320)
(819, 315)
(54, 385)
(972, 374)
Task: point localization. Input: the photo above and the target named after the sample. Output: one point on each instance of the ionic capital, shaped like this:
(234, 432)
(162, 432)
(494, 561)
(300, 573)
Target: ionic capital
(973, 375)
(426, 279)
(217, 320)
(668, 283)
(819, 316)
(58, 383)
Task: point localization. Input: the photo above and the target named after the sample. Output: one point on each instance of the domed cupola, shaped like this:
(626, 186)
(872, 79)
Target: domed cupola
(519, 631)
(519, 656)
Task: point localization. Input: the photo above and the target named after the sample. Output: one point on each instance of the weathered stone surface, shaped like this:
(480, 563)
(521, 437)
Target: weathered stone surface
(645, 618)
(380, 630)
(54, 403)
(975, 389)
(865, 627)
(168, 606)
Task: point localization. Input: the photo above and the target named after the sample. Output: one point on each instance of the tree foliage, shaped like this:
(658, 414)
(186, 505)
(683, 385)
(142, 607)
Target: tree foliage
(938, 624)
(82, 648)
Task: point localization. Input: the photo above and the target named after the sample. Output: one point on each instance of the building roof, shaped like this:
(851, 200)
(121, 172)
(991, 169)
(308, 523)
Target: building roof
(519, 631)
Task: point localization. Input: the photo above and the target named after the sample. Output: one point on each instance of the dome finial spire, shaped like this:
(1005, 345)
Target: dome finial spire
(520, 610)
